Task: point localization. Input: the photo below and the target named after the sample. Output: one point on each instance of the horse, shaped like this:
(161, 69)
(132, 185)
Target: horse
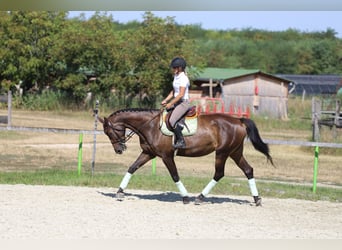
(217, 132)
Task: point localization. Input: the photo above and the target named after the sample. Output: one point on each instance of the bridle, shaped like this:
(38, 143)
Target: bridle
(119, 139)
(122, 140)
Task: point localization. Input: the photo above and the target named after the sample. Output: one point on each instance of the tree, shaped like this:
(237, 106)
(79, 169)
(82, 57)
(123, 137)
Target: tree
(27, 38)
(147, 55)
(85, 52)
(44, 49)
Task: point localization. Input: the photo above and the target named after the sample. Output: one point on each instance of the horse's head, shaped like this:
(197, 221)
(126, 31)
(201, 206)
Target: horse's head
(116, 134)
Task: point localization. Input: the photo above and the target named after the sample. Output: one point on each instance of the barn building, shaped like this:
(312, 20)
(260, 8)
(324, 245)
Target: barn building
(262, 93)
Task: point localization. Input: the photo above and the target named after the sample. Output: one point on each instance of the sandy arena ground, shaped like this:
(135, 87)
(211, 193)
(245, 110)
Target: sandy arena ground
(59, 212)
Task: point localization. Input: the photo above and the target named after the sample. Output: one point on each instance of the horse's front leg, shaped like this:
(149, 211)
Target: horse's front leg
(171, 166)
(140, 161)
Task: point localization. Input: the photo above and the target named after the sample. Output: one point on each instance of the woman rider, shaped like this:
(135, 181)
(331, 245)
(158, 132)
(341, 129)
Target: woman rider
(178, 99)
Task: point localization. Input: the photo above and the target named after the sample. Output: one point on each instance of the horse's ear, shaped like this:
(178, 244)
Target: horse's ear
(101, 120)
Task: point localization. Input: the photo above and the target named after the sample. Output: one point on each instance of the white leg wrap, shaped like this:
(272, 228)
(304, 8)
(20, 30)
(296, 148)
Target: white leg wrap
(209, 187)
(182, 189)
(252, 187)
(125, 180)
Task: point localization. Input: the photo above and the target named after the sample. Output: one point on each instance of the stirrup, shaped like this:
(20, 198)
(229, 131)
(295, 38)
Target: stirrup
(179, 144)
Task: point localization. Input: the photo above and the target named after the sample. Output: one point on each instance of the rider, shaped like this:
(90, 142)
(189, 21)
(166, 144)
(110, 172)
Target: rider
(178, 99)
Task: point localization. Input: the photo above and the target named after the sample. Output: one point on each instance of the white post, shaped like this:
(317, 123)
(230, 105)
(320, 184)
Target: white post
(9, 104)
(94, 145)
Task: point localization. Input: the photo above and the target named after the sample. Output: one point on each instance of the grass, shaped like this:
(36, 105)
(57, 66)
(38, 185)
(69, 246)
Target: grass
(51, 158)
(227, 186)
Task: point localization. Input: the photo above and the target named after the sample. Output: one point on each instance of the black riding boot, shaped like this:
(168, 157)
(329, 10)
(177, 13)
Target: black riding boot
(179, 139)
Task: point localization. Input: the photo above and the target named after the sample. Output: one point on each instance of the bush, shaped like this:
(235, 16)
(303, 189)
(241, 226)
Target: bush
(47, 100)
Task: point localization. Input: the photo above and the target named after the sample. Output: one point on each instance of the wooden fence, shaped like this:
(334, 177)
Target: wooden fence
(7, 99)
(325, 115)
(316, 113)
(315, 145)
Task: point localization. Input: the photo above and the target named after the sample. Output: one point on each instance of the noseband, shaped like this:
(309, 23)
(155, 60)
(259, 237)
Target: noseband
(121, 141)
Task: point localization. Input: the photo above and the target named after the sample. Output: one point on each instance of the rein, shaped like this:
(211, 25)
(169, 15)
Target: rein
(131, 133)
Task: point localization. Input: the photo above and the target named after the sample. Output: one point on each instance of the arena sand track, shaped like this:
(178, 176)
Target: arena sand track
(60, 212)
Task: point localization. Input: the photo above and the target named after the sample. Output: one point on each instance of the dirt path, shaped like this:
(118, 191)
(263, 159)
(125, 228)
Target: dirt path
(59, 212)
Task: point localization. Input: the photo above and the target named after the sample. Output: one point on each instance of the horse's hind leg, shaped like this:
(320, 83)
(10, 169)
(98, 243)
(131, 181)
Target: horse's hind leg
(248, 171)
(220, 161)
(171, 166)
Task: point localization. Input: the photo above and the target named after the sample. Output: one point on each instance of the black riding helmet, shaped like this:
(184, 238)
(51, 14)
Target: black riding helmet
(178, 62)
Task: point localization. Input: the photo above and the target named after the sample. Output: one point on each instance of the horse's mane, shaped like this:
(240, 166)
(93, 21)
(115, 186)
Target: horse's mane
(134, 110)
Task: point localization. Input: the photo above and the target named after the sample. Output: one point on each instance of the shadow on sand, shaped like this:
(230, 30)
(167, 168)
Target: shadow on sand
(175, 197)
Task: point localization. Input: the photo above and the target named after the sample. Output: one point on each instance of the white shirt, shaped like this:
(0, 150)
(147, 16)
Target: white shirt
(181, 80)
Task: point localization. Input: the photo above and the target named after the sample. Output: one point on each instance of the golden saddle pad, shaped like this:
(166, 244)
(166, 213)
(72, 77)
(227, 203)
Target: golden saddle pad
(190, 127)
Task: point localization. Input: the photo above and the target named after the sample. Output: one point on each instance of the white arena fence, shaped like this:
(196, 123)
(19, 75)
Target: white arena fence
(315, 145)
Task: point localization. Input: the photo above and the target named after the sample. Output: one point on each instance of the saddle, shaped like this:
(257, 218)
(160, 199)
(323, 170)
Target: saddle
(189, 120)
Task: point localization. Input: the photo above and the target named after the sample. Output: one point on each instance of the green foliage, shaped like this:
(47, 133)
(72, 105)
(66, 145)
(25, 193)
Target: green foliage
(46, 101)
(27, 38)
(74, 85)
(45, 49)
(227, 186)
(289, 52)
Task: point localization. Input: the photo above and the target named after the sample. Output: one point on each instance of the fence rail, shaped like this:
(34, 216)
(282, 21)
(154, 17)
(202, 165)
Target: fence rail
(269, 141)
(51, 130)
(79, 131)
(305, 143)
(7, 99)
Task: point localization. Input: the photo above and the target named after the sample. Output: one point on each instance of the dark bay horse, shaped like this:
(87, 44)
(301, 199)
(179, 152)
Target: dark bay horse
(217, 132)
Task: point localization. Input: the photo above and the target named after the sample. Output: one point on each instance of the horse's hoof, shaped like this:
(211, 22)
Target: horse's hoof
(199, 199)
(257, 201)
(186, 200)
(120, 196)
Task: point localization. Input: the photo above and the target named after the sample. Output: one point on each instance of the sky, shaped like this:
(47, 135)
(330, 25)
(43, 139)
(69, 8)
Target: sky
(305, 21)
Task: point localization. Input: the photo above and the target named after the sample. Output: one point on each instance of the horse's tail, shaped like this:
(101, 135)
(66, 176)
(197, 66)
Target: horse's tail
(254, 136)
